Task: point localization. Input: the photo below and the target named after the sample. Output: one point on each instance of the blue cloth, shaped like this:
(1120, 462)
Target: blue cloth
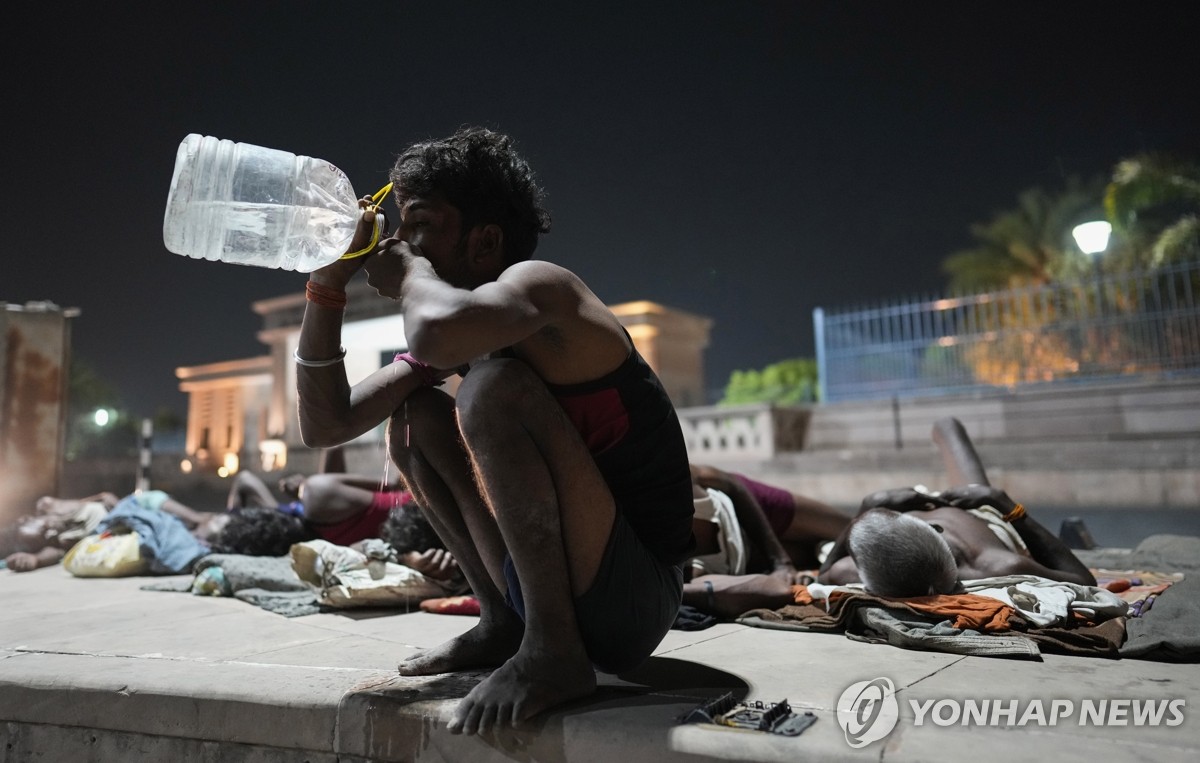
(165, 541)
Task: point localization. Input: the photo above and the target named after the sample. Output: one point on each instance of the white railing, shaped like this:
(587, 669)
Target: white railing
(743, 432)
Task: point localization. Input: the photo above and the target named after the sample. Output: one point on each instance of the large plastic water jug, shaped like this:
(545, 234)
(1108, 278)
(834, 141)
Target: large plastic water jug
(245, 204)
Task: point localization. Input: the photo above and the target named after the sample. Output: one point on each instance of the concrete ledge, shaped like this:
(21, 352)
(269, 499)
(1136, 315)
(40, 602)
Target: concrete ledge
(100, 670)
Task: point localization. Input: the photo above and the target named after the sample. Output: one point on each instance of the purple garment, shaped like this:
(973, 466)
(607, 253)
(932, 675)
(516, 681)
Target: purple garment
(777, 503)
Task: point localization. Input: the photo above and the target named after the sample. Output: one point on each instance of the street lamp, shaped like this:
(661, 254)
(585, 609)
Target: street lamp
(1092, 240)
(1092, 237)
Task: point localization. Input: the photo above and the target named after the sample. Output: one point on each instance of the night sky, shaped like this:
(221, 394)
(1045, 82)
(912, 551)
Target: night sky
(748, 161)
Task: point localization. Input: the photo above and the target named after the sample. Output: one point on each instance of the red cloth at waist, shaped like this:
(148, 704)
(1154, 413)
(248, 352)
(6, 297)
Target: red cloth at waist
(364, 525)
(599, 417)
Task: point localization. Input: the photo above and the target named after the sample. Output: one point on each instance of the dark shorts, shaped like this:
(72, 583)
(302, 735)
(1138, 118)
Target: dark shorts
(629, 608)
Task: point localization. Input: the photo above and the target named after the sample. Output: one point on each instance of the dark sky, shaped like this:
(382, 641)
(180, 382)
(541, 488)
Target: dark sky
(744, 160)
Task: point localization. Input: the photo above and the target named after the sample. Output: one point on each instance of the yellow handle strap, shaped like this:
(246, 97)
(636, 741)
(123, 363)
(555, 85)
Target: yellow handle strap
(378, 197)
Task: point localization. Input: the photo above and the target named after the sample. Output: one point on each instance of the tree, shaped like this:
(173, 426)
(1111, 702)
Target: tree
(788, 382)
(1027, 246)
(1154, 200)
(86, 393)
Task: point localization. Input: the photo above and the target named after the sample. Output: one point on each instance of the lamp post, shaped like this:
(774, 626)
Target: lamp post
(1092, 240)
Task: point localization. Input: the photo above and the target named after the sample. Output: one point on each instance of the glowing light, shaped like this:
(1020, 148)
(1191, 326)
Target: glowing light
(101, 417)
(273, 453)
(185, 466)
(231, 464)
(1092, 237)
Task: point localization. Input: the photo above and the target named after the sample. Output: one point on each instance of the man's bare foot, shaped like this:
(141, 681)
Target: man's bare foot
(521, 688)
(487, 645)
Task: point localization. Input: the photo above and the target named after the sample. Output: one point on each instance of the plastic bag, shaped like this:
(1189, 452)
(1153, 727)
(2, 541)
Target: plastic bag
(106, 556)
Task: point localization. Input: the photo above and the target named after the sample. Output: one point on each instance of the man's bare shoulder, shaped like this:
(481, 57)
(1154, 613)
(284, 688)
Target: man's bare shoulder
(539, 273)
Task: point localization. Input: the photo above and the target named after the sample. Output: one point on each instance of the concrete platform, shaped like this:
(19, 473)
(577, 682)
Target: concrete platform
(98, 670)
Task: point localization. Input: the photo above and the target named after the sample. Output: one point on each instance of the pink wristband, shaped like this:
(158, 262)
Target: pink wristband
(425, 372)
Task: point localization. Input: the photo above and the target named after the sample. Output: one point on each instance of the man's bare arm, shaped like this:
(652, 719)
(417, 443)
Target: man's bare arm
(27, 562)
(447, 326)
(732, 595)
(1050, 557)
(1048, 550)
(331, 411)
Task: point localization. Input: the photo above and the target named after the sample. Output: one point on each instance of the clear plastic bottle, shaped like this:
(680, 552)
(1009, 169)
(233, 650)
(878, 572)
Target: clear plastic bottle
(245, 204)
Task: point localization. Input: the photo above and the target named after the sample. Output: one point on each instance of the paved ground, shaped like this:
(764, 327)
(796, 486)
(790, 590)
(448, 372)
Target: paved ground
(100, 670)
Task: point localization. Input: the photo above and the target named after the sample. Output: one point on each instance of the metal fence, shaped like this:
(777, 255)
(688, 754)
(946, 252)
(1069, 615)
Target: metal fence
(1133, 324)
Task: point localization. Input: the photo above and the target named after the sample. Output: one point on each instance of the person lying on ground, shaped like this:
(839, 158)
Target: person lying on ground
(910, 542)
(906, 543)
(337, 506)
(263, 531)
(340, 508)
(44, 537)
(743, 525)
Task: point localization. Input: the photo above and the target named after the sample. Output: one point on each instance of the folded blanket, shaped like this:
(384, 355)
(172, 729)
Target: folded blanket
(910, 631)
(264, 581)
(981, 613)
(1169, 632)
(242, 572)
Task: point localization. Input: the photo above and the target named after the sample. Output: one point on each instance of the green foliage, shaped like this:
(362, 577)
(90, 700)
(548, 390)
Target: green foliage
(1029, 245)
(1154, 201)
(788, 382)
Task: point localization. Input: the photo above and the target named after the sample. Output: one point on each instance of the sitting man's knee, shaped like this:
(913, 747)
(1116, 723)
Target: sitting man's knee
(499, 385)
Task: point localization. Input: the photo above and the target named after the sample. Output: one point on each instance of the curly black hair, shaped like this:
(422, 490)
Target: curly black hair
(406, 529)
(261, 532)
(478, 172)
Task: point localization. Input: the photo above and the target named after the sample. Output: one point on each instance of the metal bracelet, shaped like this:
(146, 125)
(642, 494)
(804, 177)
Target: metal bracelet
(319, 363)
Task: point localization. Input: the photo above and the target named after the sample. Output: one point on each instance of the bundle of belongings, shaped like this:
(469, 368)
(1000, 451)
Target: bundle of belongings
(135, 538)
(315, 576)
(1012, 616)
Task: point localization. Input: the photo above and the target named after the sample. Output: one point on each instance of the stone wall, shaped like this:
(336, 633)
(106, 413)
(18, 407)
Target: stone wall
(1118, 445)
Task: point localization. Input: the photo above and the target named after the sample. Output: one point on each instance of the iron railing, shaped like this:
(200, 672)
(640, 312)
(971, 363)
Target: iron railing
(1132, 324)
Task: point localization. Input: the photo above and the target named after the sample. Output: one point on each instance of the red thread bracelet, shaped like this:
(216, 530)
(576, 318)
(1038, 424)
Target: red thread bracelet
(325, 296)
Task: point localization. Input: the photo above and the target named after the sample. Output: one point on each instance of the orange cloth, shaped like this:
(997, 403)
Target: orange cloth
(965, 610)
(452, 605)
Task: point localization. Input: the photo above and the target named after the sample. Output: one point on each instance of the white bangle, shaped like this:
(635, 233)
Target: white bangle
(319, 363)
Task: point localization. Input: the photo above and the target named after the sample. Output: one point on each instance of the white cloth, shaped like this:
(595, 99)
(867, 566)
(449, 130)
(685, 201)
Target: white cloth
(1045, 602)
(717, 508)
(1004, 531)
